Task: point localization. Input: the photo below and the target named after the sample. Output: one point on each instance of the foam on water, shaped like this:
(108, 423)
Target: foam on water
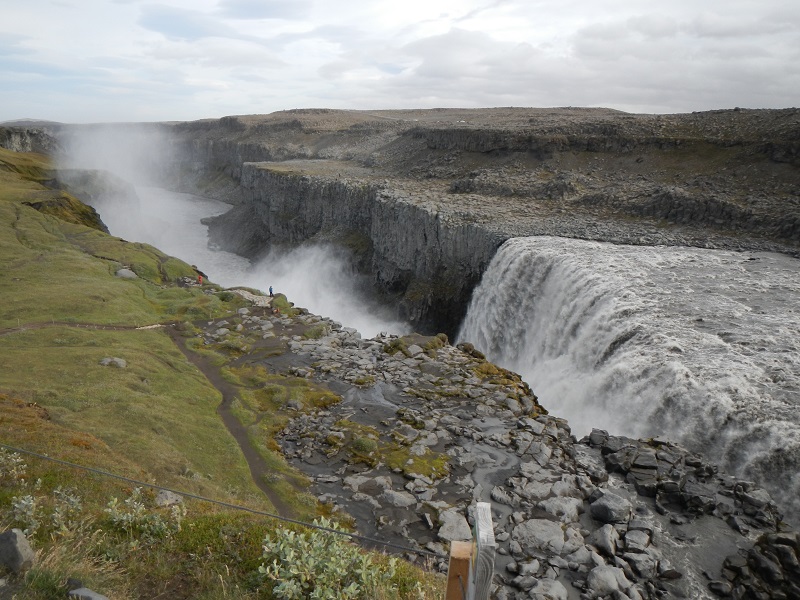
(700, 345)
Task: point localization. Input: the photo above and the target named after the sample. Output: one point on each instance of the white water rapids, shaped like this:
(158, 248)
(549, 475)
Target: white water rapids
(700, 346)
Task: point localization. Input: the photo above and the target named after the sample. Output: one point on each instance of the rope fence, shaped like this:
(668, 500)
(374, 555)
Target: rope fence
(354, 536)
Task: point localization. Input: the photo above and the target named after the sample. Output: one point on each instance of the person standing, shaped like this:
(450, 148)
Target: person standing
(270, 292)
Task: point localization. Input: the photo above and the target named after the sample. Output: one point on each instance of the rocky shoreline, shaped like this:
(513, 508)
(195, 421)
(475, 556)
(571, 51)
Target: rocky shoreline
(425, 429)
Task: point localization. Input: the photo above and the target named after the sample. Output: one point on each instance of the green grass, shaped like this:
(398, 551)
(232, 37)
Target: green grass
(153, 421)
(265, 405)
(164, 427)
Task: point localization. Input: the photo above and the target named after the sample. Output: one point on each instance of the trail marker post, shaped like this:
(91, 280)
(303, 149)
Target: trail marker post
(469, 575)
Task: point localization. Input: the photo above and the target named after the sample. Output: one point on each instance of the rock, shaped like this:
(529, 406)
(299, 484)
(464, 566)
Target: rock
(126, 274)
(565, 509)
(85, 594)
(354, 482)
(581, 556)
(539, 535)
(757, 497)
(636, 540)
(16, 553)
(720, 588)
(611, 508)
(536, 490)
(118, 363)
(454, 527)
(167, 498)
(529, 568)
(603, 581)
(548, 589)
(415, 350)
(643, 565)
(605, 539)
(501, 496)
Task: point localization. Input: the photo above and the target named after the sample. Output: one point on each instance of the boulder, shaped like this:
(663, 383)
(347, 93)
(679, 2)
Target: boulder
(548, 589)
(398, 499)
(539, 535)
(454, 526)
(16, 553)
(565, 509)
(605, 539)
(167, 498)
(611, 508)
(111, 361)
(605, 580)
(85, 594)
(126, 274)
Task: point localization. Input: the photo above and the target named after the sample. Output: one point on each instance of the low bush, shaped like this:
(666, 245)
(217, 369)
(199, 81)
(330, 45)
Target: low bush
(323, 564)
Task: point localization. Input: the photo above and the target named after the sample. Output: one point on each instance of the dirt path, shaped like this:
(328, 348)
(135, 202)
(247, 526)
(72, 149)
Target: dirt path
(258, 466)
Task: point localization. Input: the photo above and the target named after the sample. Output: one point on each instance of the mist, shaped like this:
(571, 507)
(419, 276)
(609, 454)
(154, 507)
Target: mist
(320, 279)
(134, 163)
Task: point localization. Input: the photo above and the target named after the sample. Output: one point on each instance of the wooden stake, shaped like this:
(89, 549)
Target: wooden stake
(458, 570)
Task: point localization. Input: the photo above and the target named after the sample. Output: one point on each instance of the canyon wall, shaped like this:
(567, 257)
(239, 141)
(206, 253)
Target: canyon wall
(424, 198)
(428, 261)
(28, 139)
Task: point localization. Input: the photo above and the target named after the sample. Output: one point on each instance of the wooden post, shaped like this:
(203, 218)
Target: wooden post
(482, 564)
(458, 570)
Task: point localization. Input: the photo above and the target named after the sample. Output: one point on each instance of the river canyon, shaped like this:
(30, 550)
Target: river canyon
(657, 294)
(640, 272)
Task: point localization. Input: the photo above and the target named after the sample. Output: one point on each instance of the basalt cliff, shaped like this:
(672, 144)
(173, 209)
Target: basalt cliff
(423, 198)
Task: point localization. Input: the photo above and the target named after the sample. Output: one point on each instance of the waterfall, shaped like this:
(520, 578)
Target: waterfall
(700, 346)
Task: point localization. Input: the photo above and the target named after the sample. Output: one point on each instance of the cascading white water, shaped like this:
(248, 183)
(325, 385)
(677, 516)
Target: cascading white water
(701, 346)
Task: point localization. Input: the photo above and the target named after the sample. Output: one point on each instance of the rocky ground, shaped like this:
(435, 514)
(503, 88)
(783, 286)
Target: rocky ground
(424, 430)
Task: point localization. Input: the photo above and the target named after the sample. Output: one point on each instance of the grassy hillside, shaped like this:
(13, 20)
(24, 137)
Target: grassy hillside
(63, 311)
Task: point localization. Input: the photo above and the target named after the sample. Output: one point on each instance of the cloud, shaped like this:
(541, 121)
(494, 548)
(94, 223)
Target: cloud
(185, 59)
(182, 24)
(265, 9)
(11, 44)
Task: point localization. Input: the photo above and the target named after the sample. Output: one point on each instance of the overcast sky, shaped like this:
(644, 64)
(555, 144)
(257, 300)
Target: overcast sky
(146, 60)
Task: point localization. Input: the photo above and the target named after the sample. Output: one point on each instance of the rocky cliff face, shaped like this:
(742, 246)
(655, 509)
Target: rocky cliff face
(28, 139)
(423, 198)
(415, 253)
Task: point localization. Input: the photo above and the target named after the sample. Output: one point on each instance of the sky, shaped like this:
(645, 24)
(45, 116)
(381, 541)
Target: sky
(80, 61)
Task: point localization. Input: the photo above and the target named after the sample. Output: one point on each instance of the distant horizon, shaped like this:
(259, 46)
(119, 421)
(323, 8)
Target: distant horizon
(153, 61)
(22, 121)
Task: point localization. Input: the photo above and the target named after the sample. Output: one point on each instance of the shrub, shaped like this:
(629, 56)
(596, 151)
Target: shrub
(365, 445)
(12, 468)
(134, 518)
(321, 564)
(316, 332)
